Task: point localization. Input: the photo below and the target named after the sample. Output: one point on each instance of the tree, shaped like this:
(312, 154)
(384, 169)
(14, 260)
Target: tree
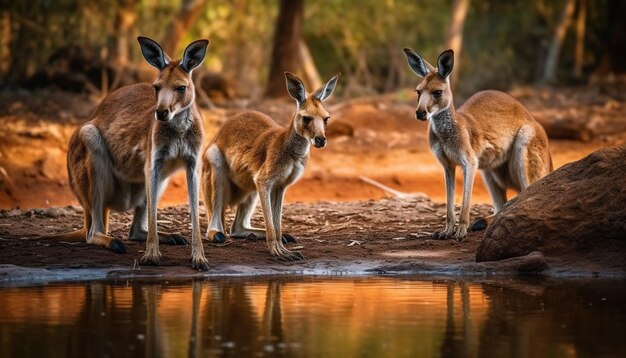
(285, 49)
(454, 40)
(554, 51)
(181, 22)
(579, 55)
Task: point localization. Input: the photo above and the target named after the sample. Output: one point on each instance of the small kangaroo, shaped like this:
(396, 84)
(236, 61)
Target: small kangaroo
(251, 154)
(135, 139)
(492, 132)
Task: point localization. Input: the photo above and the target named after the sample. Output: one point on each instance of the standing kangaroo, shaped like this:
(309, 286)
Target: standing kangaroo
(251, 154)
(492, 132)
(135, 139)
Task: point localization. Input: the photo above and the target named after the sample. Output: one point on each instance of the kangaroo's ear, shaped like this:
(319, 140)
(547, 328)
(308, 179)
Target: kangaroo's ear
(326, 89)
(420, 66)
(295, 87)
(153, 53)
(445, 62)
(194, 55)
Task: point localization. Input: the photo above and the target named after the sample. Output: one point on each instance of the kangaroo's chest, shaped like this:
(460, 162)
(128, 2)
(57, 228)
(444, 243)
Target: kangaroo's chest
(293, 171)
(174, 155)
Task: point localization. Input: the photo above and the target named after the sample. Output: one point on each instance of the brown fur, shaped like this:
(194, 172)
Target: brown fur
(112, 159)
(492, 132)
(252, 154)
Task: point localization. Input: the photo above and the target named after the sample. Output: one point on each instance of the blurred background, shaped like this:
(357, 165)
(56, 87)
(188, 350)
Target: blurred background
(564, 59)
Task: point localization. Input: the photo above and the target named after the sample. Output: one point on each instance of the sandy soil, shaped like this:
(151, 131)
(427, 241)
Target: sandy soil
(383, 236)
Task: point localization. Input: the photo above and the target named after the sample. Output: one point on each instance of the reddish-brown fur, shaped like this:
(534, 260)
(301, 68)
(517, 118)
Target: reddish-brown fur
(492, 132)
(112, 159)
(252, 154)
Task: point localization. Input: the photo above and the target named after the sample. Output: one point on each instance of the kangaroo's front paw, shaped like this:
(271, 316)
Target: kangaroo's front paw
(287, 239)
(199, 263)
(117, 246)
(174, 239)
(151, 258)
(216, 237)
(480, 224)
(219, 238)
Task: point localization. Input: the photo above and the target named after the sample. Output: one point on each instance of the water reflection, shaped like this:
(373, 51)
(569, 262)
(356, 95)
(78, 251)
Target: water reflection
(315, 317)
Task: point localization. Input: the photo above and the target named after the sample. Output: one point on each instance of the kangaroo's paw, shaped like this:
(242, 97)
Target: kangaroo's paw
(442, 235)
(151, 258)
(172, 239)
(117, 246)
(287, 239)
(460, 234)
(200, 263)
(280, 252)
(480, 224)
(218, 238)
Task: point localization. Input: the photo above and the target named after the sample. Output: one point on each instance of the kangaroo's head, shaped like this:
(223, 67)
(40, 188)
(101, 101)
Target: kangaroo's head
(433, 93)
(173, 87)
(311, 117)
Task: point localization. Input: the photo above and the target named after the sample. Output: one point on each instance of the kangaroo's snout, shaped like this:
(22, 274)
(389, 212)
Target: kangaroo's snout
(420, 115)
(320, 142)
(162, 115)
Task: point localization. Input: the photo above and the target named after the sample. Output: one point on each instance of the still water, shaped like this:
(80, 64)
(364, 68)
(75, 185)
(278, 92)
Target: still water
(316, 317)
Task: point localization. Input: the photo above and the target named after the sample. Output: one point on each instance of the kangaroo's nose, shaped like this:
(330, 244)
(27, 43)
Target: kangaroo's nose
(421, 115)
(162, 115)
(320, 142)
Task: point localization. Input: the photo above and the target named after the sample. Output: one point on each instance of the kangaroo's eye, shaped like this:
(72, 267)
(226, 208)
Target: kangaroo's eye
(307, 119)
(181, 89)
(437, 93)
(326, 120)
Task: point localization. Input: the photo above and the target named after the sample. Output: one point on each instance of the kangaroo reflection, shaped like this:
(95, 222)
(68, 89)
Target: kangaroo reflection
(105, 307)
(226, 322)
(454, 344)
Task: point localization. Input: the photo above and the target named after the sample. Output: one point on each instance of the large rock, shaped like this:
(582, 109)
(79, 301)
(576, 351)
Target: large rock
(577, 214)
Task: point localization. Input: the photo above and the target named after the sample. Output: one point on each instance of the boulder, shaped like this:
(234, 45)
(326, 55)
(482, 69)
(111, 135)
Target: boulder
(576, 213)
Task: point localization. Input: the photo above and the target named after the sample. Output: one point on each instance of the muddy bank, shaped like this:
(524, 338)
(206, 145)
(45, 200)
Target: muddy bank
(349, 238)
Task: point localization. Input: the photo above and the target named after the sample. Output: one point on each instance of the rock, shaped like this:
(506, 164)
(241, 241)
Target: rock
(577, 212)
(58, 212)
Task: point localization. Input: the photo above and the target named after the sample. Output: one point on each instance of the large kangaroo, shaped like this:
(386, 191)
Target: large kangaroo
(492, 132)
(135, 139)
(251, 154)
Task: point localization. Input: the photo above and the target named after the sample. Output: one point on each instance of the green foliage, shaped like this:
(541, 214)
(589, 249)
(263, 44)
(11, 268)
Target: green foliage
(504, 41)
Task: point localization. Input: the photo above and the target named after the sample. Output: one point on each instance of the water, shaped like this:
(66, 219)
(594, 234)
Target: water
(316, 317)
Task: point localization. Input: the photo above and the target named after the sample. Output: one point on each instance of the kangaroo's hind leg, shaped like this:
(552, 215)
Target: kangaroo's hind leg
(242, 227)
(498, 197)
(217, 192)
(100, 186)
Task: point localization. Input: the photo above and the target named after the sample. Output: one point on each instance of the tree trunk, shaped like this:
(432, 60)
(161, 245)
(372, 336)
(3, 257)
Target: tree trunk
(5, 42)
(614, 57)
(285, 50)
(181, 22)
(579, 55)
(552, 59)
(309, 70)
(124, 23)
(454, 40)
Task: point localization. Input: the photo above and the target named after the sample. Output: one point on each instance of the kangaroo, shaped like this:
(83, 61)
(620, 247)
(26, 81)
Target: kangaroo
(251, 154)
(135, 139)
(492, 132)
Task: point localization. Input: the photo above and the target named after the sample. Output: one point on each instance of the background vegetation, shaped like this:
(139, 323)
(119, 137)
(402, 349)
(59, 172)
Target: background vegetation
(90, 46)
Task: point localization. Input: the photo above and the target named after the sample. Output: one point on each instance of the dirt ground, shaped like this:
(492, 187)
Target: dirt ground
(375, 236)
